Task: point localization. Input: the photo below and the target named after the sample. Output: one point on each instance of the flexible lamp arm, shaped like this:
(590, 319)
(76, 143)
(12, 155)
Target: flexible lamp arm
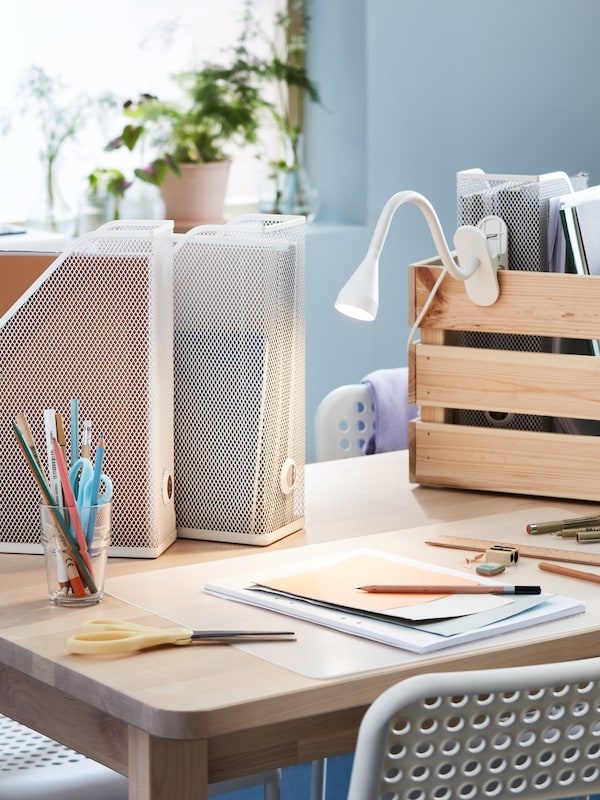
(461, 273)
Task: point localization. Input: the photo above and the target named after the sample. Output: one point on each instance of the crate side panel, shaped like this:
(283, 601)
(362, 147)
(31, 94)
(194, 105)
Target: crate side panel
(517, 462)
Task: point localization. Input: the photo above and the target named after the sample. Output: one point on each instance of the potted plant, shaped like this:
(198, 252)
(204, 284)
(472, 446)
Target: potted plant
(222, 106)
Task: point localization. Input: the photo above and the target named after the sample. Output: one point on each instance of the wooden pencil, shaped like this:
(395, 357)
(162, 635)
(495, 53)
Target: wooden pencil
(592, 577)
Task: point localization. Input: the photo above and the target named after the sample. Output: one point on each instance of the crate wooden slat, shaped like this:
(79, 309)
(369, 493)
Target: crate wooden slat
(534, 303)
(445, 378)
(509, 381)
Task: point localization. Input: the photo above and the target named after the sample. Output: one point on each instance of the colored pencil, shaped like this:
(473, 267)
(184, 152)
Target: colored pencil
(71, 504)
(467, 589)
(592, 577)
(74, 570)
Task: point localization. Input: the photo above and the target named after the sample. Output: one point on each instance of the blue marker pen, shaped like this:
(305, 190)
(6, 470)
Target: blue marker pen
(94, 494)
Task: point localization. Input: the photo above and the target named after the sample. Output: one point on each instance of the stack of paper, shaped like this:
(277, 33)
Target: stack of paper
(325, 592)
(573, 243)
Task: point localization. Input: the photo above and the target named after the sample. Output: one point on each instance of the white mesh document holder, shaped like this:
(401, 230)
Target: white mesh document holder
(239, 380)
(98, 326)
(522, 202)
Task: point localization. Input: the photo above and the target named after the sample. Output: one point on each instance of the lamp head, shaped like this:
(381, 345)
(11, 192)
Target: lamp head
(359, 297)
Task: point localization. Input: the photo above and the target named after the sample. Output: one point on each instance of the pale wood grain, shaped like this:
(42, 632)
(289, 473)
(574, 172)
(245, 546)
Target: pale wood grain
(523, 462)
(546, 385)
(532, 303)
(161, 768)
(504, 380)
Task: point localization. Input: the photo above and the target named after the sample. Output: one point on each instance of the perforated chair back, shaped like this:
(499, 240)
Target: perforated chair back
(344, 421)
(32, 766)
(494, 734)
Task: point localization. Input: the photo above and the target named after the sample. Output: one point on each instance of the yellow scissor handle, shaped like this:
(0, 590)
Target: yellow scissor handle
(107, 636)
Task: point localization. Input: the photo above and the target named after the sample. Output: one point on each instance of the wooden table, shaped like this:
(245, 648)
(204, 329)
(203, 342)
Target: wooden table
(175, 719)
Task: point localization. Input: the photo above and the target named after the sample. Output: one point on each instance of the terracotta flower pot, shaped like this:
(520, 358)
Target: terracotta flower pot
(197, 197)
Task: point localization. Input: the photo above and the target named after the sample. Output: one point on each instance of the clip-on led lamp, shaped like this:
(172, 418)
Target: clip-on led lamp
(481, 251)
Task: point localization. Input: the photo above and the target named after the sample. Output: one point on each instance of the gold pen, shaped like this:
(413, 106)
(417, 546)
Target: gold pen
(589, 535)
(86, 439)
(574, 533)
(563, 525)
(60, 433)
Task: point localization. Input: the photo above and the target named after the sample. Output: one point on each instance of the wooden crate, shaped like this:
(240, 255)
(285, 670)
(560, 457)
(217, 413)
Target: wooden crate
(445, 377)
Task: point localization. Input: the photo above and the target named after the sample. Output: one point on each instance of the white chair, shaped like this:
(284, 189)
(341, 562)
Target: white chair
(344, 421)
(33, 766)
(485, 735)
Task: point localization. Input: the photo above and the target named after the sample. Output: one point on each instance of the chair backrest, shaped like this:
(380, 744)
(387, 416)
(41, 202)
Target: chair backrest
(32, 766)
(525, 732)
(344, 420)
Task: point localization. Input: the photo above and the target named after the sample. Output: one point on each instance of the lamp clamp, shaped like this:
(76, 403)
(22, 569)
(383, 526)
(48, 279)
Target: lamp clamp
(487, 243)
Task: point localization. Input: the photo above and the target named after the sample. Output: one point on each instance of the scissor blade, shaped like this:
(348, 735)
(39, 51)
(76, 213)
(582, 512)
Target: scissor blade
(198, 636)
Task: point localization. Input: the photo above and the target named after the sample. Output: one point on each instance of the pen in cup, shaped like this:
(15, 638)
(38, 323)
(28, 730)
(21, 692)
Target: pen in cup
(86, 438)
(23, 424)
(97, 476)
(60, 434)
(73, 514)
(72, 567)
(51, 424)
(74, 417)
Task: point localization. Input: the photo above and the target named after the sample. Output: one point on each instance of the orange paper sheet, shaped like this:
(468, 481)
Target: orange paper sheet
(337, 582)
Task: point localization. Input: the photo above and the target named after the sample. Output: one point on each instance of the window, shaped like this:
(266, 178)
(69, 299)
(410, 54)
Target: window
(123, 47)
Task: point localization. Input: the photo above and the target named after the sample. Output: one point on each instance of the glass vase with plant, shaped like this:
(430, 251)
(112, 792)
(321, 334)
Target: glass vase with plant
(108, 186)
(60, 119)
(282, 66)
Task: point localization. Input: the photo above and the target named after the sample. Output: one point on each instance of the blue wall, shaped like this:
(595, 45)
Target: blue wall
(412, 92)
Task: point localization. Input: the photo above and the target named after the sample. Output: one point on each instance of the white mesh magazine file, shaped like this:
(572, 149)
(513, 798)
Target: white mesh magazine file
(522, 201)
(98, 326)
(239, 380)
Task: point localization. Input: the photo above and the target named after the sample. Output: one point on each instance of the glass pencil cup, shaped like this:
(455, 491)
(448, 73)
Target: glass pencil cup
(75, 543)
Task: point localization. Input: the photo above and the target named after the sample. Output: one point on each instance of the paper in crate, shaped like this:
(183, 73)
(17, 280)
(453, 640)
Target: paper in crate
(522, 201)
(96, 325)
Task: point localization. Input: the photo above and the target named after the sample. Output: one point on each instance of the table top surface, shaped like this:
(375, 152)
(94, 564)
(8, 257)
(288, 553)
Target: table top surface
(205, 691)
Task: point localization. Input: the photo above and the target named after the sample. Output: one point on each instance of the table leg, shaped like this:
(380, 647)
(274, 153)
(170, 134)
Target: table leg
(165, 769)
(318, 778)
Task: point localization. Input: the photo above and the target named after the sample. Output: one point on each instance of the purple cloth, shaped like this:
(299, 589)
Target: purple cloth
(389, 393)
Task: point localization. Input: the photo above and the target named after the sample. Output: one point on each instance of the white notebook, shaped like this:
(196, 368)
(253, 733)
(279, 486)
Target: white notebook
(411, 624)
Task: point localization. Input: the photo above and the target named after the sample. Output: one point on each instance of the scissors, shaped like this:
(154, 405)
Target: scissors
(81, 478)
(107, 636)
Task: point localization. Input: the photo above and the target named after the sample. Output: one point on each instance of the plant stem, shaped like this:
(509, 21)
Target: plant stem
(50, 192)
